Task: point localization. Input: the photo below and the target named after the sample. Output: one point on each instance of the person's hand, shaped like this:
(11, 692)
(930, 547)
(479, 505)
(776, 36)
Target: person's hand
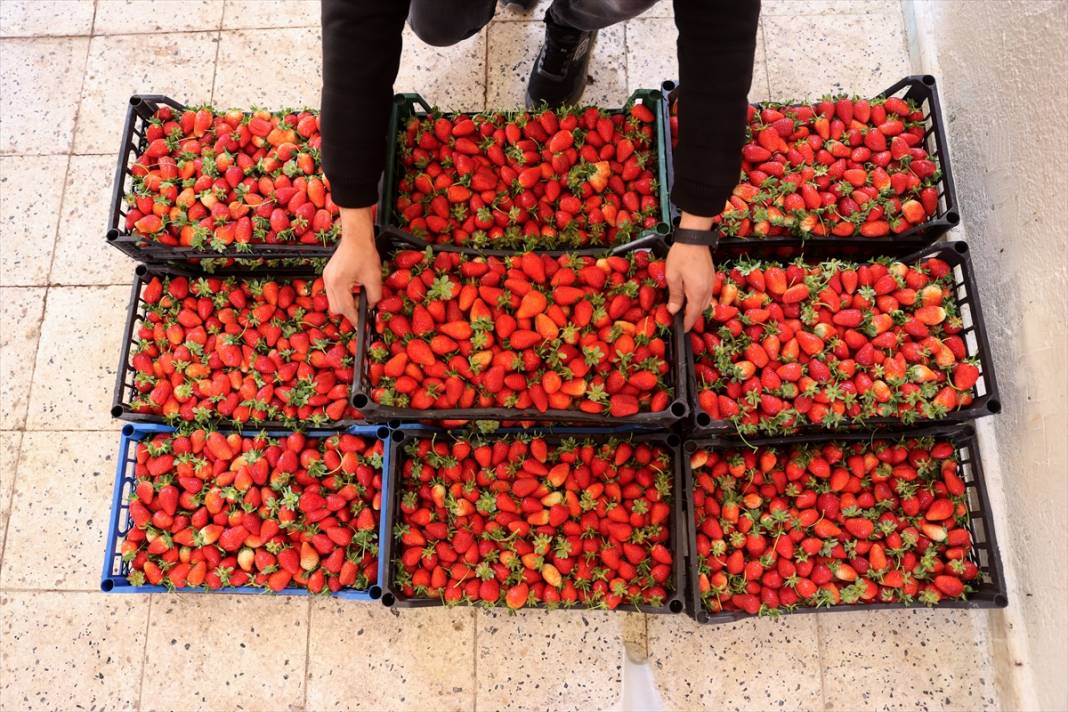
(690, 274)
(355, 261)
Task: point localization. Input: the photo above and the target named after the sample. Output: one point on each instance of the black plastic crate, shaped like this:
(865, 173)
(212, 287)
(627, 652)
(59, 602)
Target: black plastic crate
(974, 334)
(115, 576)
(406, 106)
(135, 314)
(992, 591)
(388, 242)
(138, 113)
(392, 596)
(923, 90)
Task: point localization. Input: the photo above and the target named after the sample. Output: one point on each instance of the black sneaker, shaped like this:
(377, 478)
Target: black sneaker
(559, 74)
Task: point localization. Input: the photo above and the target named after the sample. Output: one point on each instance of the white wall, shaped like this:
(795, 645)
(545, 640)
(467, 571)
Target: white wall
(1002, 69)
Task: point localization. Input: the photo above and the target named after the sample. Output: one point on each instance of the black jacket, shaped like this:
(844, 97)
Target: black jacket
(361, 55)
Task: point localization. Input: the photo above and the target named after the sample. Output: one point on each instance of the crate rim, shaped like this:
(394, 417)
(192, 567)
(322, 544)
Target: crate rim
(132, 433)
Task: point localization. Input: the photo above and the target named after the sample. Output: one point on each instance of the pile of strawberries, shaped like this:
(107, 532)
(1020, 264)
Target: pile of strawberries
(220, 511)
(217, 181)
(566, 178)
(520, 521)
(841, 167)
(527, 333)
(242, 350)
(829, 524)
(831, 344)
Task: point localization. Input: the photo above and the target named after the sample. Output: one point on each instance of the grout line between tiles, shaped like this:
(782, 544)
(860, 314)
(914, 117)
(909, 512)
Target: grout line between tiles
(144, 654)
(819, 658)
(474, 706)
(215, 67)
(11, 497)
(307, 654)
(764, 47)
(22, 589)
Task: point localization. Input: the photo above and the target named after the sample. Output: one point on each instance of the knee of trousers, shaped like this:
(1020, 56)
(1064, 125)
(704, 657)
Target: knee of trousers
(441, 35)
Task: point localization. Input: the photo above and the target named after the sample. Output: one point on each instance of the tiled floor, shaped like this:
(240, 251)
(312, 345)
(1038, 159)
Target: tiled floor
(67, 68)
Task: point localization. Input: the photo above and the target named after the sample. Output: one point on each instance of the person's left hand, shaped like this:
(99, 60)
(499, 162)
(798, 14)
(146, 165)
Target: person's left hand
(690, 277)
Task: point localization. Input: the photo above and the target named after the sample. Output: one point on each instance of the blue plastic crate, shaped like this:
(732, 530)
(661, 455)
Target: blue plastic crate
(115, 574)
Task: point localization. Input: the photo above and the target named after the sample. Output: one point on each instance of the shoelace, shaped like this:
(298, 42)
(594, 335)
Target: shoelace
(556, 58)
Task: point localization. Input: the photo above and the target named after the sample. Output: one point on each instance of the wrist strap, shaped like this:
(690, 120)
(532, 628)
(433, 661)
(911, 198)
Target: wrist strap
(708, 238)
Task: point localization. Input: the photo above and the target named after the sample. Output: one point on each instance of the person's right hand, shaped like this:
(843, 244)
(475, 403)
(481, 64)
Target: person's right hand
(355, 261)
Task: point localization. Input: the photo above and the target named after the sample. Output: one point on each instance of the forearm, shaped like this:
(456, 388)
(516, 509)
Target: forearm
(361, 54)
(717, 41)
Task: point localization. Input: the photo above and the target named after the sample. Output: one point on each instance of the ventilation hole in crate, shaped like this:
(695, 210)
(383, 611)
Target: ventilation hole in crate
(141, 270)
(382, 433)
(993, 405)
(673, 440)
(375, 592)
(954, 217)
(399, 436)
(106, 585)
(961, 246)
(112, 235)
(116, 411)
(691, 447)
(1001, 600)
(675, 606)
(127, 429)
(388, 599)
(928, 80)
(703, 420)
(359, 401)
(678, 409)
(135, 101)
(662, 229)
(668, 85)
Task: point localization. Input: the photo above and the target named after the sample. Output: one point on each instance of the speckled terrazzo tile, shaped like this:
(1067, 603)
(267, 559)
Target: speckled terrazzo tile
(82, 257)
(9, 457)
(453, 78)
(513, 47)
(906, 660)
(74, 378)
(286, 62)
(218, 652)
(66, 651)
(40, 85)
(37, 18)
(241, 14)
(368, 657)
(30, 193)
(137, 16)
(820, 7)
(20, 326)
(757, 664)
(553, 660)
(817, 54)
(514, 12)
(64, 484)
(651, 57)
(178, 65)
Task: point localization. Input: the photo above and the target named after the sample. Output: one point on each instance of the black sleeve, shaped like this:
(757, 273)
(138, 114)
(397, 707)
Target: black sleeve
(361, 55)
(717, 41)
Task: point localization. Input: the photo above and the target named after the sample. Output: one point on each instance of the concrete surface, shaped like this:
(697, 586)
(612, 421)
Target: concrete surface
(67, 68)
(1003, 71)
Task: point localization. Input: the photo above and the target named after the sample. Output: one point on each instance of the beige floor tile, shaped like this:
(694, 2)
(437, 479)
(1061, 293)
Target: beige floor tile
(60, 510)
(908, 659)
(30, 191)
(39, 86)
(74, 377)
(368, 657)
(142, 16)
(513, 12)
(241, 14)
(65, 651)
(178, 65)
(820, 7)
(82, 257)
(21, 309)
(513, 47)
(9, 457)
(757, 664)
(651, 57)
(37, 18)
(453, 78)
(819, 54)
(286, 62)
(559, 660)
(218, 652)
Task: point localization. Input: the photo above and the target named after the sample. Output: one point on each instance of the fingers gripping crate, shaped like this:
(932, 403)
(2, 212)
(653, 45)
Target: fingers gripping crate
(989, 587)
(389, 243)
(394, 596)
(407, 106)
(139, 116)
(919, 89)
(116, 576)
(986, 398)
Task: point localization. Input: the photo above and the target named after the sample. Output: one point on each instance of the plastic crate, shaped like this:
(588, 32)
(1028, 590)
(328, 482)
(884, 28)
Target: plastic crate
(388, 242)
(139, 112)
(115, 576)
(992, 591)
(974, 333)
(923, 90)
(135, 313)
(391, 596)
(406, 106)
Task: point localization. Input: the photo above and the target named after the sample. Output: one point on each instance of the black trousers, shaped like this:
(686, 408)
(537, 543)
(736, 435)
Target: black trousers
(445, 22)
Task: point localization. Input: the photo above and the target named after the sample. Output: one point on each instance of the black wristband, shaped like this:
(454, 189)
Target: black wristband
(707, 238)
